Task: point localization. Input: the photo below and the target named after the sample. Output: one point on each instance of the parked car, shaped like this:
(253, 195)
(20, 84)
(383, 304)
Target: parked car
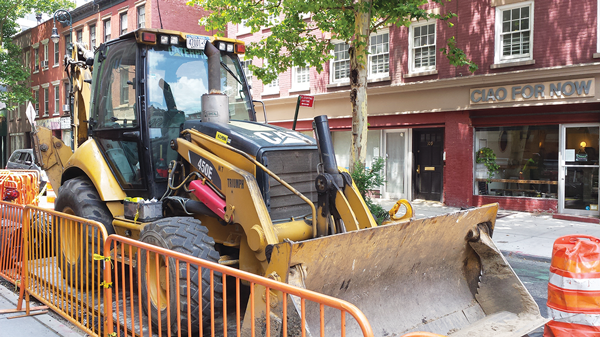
(23, 160)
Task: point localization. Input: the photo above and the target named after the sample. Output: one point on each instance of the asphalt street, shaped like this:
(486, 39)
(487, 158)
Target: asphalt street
(534, 275)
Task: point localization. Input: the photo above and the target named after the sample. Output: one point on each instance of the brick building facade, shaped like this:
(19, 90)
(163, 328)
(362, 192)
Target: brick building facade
(533, 101)
(92, 23)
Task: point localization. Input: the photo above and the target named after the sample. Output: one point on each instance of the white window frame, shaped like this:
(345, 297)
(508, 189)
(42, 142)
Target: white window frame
(411, 51)
(93, 28)
(121, 30)
(36, 59)
(498, 57)
(137, 14)
(104, 35)
(331, 66)
(79, 33)
(56, 100)
(28, 60)
(56, 54)
(36, 96)
(379, 75)
(247, 72)
(46, 99)
(271, 88)
(242, 28)
(300, 86)
(45, 56)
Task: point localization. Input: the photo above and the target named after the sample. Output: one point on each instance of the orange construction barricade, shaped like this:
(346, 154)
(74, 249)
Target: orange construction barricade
(574, 287)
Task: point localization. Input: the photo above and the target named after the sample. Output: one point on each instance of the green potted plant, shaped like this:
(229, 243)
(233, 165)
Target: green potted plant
(486, 156)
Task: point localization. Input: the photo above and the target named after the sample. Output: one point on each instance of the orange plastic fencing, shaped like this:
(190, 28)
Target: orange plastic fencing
(11, 254)
(574, 287)
(171, 306)
(25, 182)
(59, 267)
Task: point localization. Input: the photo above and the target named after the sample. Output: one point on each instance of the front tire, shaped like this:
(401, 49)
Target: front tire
(184, 235)
(79, 197)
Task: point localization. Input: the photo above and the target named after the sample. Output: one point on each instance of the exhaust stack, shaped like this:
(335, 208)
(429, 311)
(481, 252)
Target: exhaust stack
(215, 105)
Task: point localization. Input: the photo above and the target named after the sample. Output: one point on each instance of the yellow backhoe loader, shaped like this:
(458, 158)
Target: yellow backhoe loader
(169, 116)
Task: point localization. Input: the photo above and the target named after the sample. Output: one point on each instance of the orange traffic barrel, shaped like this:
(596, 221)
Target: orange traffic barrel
(574, 287)
(50, 195)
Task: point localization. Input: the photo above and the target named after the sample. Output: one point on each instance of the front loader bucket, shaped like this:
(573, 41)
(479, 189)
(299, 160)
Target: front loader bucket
(441, 274)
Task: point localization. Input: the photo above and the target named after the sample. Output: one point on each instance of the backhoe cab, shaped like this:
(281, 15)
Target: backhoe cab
(170, 117)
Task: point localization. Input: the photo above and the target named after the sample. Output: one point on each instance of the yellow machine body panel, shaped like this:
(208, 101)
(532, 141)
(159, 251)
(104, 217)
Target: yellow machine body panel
(89, 159)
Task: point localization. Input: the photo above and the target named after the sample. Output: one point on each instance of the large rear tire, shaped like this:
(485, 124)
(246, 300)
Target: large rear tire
(184, 235)
(79, 197)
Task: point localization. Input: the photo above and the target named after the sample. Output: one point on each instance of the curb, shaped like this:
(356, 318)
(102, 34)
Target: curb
(527, 256)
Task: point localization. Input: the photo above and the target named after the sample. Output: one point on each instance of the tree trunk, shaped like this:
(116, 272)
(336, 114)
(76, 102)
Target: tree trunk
(358, 87)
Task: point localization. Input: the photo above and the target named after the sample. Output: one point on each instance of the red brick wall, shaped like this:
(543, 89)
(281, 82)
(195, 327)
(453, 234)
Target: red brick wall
(458, 144)
(519, 204)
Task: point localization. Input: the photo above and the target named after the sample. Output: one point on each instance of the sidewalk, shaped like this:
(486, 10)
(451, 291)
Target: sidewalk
(40, 326)
(518, 233)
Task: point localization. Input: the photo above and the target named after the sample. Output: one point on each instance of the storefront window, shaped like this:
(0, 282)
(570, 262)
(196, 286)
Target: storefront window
(342, 143)
(526, 159)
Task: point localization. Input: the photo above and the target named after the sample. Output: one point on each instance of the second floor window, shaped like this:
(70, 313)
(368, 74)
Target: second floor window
(92, 37)
(123, 19)
(67, 88)
(46, 101)
(36, 61)
(422, 47)
(45, 56)
(247, 72)
(67, 44)
(514, 32)
(301, 78)
(141, 16)
(379, 55)
(340, 66)
(79, 36)
(37, 101)
(56, 100)
(27, 60)
(56, 54)
(106, 30)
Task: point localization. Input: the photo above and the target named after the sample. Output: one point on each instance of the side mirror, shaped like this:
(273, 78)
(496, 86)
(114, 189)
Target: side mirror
(28, 162)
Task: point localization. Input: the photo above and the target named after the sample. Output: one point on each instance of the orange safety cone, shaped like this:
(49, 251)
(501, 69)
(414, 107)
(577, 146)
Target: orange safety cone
(574, 287)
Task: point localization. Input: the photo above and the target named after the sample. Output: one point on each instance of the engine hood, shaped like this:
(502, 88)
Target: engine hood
(252, 137)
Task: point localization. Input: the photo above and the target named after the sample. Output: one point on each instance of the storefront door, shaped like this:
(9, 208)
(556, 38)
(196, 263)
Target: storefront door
(428, 148)
(578, 172)
(397, 172)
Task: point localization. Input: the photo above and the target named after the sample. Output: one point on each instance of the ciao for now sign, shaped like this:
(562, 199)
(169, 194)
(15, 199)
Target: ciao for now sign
(583, 87)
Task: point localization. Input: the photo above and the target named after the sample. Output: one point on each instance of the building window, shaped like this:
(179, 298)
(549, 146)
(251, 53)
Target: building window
(141, 16)
(247, 72)
(514, 32)
(37, 102)
(124, 85)
(67, 44)
(422, 47)
(45, 65)
(56, 101)
(123, 20)
(67, 88)
(56, 54)
(27, 60)
(92, 37)
(379, 55)
(242, 28)
(36, 60)
(301, 78)
(340, 66)
(106, 30)
(46, 102)
(527, 157)
(271, 88)
(79, 36)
